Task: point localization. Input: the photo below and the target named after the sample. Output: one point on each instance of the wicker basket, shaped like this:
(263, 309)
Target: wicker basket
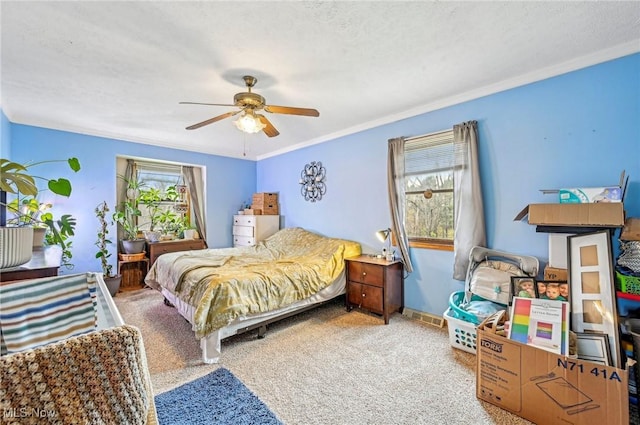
(132, 257)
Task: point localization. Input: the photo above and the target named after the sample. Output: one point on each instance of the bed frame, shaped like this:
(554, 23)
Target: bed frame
(211, 345)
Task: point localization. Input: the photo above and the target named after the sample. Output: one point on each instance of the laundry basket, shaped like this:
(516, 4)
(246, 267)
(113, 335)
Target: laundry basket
(462, 334)
(462, 320)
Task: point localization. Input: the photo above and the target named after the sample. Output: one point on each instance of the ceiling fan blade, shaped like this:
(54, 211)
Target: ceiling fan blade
(269, 130)
(212, 120)
(208, 104)
(291, 110)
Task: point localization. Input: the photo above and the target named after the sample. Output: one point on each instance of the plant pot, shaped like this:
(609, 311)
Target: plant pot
(16, 246)
(133, 246)
(190, 233)
(152, 236)
(38, 236)
(113, 284)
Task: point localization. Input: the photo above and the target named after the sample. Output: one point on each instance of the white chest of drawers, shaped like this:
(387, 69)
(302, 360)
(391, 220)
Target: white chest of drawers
(250, 229)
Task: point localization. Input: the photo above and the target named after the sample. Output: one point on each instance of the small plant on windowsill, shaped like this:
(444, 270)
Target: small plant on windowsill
(103, 254)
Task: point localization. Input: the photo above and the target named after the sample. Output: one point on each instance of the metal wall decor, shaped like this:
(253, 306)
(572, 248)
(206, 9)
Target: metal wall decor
(312, 185)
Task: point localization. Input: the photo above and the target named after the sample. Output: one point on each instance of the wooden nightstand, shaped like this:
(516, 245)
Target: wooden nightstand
(375, 284)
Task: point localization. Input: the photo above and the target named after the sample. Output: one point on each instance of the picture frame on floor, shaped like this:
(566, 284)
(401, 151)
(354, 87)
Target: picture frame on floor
(594, 348)
(593, 302)
(553, 290)
(523, 286)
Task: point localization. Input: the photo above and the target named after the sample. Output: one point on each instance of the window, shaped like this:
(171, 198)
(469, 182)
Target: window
(164, 202)
(429, 190)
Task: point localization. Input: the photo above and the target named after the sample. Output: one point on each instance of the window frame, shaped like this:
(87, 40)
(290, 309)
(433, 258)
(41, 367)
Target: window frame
(433, 243)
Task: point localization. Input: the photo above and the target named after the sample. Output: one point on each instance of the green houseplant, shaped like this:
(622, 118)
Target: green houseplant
(16, 179)
(28, 212)
(127, 216)
(102, 242)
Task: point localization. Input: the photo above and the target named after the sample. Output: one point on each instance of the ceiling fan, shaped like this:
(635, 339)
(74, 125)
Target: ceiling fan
(249, 103)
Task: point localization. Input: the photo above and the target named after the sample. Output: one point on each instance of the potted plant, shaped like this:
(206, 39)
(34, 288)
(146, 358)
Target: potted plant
(127, 217)
(111, 280)
(151, 199)
(16, 179)
(28, 212)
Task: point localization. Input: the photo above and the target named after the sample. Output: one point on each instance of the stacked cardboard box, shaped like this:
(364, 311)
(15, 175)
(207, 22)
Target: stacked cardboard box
(267, 203)
(547, 388)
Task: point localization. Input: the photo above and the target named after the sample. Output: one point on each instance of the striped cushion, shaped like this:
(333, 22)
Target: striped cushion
(36, 312)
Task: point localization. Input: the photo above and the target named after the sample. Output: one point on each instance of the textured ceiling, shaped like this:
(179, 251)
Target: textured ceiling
(118, 69)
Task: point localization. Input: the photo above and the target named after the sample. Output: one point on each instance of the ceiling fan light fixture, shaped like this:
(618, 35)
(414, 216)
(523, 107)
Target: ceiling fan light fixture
(249, 123)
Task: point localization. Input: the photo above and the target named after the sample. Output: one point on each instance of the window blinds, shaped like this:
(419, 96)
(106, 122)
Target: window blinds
(430, 153)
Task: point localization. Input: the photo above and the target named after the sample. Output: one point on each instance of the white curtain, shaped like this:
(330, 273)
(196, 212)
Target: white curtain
(468, 209)
(395, 182)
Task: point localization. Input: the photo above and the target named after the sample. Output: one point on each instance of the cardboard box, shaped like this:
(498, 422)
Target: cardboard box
(582, 195)
(631, 230)
(553, 273)
(589, 215)
(252, 211)
(267, 209)
(558, 250)
(547, 388)
(264, 198)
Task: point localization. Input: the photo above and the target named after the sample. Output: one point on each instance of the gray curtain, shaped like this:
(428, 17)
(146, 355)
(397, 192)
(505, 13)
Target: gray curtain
(468, 206)
(129, 175)
(196, 201)
(395, 182)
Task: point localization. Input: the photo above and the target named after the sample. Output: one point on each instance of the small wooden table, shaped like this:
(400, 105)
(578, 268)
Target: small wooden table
(44, 262)
(375, 284)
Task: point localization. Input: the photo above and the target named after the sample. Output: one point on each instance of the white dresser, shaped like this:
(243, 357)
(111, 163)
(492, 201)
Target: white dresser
(250, 229)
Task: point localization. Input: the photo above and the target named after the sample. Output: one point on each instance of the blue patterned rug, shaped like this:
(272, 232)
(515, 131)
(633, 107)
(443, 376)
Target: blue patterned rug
(217, 398)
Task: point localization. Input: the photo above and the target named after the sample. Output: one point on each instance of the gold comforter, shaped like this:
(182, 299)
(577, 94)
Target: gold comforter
(223, 284)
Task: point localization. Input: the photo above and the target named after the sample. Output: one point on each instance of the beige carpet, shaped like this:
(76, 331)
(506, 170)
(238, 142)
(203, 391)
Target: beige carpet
(326, 366)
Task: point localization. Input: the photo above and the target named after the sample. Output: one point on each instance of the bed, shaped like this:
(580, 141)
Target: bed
(226, 291)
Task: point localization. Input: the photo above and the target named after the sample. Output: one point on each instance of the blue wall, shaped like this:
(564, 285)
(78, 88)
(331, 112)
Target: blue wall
(228, 181)
(577, 129)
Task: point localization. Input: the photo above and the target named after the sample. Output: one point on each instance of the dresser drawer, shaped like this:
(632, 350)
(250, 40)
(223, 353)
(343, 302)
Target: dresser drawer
(244, 220)
(243, 240)
(244, 231)
(371, 274)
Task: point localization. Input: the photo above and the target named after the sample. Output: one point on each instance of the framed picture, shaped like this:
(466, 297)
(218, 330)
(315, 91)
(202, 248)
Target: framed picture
(594, 348)
(593, 302)
(523, 286)
(553, 290)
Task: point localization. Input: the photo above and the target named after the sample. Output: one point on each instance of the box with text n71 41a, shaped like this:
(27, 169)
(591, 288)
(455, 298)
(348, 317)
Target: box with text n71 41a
(548, 388)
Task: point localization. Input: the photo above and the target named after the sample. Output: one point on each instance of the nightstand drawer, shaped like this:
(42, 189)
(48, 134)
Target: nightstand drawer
(366, 296)
(371, 274)
(243, 231)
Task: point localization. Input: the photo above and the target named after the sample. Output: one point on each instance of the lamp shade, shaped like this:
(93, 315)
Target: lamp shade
(382, 235)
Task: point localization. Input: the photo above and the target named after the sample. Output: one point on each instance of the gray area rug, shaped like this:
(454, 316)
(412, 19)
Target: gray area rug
(325, 366)
(216, 398)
